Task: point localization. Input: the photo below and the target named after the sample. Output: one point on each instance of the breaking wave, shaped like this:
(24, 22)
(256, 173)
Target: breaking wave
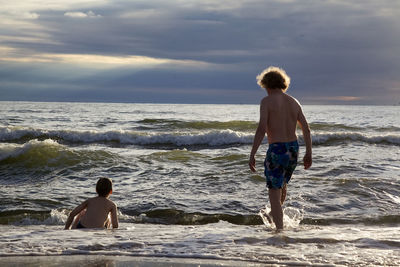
(213, 138)
(48, 152)
(172, 216)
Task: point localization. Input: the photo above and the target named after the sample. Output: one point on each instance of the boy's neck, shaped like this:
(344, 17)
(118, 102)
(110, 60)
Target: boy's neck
(275, 91)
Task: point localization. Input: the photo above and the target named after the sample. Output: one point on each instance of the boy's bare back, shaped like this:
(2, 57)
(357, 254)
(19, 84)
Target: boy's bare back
(279, 114)
(97, 210)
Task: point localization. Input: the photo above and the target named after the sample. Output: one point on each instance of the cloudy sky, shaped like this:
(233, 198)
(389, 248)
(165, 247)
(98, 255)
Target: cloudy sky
(193, 51)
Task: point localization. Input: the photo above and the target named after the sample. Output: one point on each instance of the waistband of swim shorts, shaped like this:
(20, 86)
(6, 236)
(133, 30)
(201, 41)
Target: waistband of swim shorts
(286, 144)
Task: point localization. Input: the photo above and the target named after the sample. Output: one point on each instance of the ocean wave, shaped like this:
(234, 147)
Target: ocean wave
(235, 125)
(179, 217)
(36, 153)
(338, 127)
(379, 220)
(157, 216)
(30, 148)
(240, 125)
(174, 216)
(212, 138)
(335, 138)
(33, 217)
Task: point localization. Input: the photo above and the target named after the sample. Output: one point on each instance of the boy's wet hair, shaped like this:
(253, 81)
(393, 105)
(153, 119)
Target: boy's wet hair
(273, 78)
(103, 187)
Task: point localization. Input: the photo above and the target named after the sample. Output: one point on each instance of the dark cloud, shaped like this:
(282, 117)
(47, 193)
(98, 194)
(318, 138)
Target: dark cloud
(330, 49)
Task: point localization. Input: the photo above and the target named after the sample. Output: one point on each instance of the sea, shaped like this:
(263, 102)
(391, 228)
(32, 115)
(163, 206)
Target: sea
(183, 187)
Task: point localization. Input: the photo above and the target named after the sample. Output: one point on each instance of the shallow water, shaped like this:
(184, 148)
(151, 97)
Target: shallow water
(183, 187)
(305, 245)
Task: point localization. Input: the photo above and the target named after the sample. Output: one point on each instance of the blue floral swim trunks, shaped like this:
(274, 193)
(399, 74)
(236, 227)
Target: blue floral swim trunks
(280, 162)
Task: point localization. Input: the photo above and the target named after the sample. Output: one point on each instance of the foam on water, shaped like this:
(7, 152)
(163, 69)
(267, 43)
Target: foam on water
(291, 217)
(49, 153)
(56, 217)
(10, 150)
(210, 138)
(347, 245)
(326, 138)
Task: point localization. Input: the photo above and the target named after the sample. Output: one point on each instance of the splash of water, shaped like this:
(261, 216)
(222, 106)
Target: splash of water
(291, 217)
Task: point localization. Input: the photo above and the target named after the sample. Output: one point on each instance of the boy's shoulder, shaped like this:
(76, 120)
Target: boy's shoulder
(102, 202)
(91, 199)
(289, 97)
(272, 99)
(111, 203)
(100, 199)
(266, 99)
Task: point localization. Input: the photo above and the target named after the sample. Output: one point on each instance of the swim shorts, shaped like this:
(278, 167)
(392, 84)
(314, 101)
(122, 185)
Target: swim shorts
(280, 162)
(81, 226)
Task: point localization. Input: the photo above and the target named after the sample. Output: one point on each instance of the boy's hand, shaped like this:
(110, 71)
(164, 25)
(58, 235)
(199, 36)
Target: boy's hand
(252, 163)
(307, 160)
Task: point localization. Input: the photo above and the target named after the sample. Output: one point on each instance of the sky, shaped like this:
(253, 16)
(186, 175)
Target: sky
(192, 51)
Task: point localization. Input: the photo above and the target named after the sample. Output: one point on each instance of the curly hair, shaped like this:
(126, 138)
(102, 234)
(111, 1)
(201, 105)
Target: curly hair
(273, 78)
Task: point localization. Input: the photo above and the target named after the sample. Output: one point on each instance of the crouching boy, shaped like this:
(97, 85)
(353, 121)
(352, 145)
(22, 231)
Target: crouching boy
(94, 212)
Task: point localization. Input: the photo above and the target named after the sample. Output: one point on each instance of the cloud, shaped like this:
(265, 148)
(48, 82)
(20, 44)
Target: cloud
(89, 14)
(29, 15)
(329, 48)
(39, 6)
(101, 61)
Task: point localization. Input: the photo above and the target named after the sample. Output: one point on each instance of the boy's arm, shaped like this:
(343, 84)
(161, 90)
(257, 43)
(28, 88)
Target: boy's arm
(260, 134)
(74, 212)
(114, 216)
(307, 139)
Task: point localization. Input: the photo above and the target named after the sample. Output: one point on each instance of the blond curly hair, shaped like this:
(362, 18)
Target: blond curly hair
(273, 78)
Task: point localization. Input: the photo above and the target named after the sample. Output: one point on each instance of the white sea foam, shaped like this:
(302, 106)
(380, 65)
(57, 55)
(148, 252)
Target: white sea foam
(208, 138)
(291, 217)
(371, 138)
(212, 138)
(15, 133)
(331, 245)
(57, 217)
(10, 150)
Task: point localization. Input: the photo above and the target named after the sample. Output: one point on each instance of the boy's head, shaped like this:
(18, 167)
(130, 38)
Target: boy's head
(273, 78)
(104, 187)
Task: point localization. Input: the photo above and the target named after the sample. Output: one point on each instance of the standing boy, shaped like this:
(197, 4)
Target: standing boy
(279, 114)
(97, 209)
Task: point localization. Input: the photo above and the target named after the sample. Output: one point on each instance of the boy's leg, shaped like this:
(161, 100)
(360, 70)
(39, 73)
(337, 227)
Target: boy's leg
(276, 207)
(283, 195)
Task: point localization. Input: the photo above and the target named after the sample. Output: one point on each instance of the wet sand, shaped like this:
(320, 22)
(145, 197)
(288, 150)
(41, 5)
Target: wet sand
(109, 260)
